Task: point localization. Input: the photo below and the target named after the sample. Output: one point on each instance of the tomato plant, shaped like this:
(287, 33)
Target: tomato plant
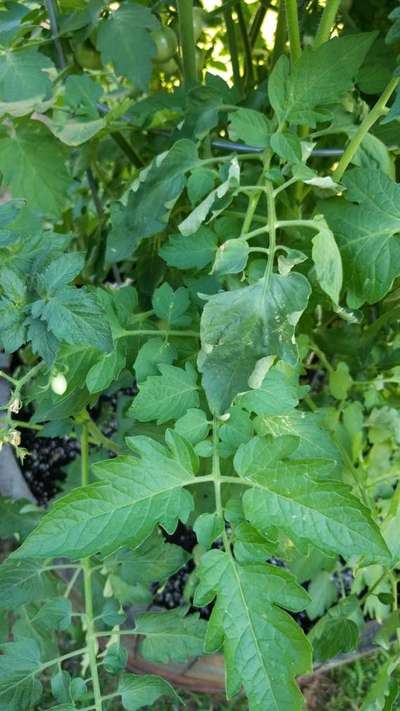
(210, 253)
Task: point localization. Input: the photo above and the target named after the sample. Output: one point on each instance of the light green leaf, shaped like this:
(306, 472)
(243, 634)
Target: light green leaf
(115, 659)
(292, 496)
(149, 204)
(193, 426)
(278, 87)
(278, 393)
(383, 692)
(314, 438)
(171, 306)
(138, 691)
(154, 352)
(192, 252)
(208, 527)
(322, 76)
(82, 94)
(41, 177)
(215, 201)
(231, 257)
(251, 546)
(11, 20)
(264, 648)
(54, 615)
(24, 80)
(74, 317)
(132, 496)
(105, 371)
(323, 593)
(200, 182)
(328, 262)
(153, 560)
(124, 40)
(167, 396)
(237, 430)
(23, 583)
(74, 131)
(250, 126)
(60, 272)
(241, 329)
(19, 689)
(340, 381)
(170, 636)
(287, 146)
(366, 234)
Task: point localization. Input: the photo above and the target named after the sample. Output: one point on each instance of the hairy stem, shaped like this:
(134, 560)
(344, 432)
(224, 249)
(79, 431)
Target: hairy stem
(87, 584)
(376, 112)
(185, 15)
(272, 223)
(327, 22)
(216, 474)
(292, 19)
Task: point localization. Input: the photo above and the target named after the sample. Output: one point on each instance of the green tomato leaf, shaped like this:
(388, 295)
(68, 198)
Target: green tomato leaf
(149, 204)
(171, 306)
(250, 126)
(287, 146)
(208, 527)
(124, 40)
(170, 636)
(291, 496)
(155, 352)
(192, 252)
(138, 691)
(115, 659)
(242, 329)
(39, 176)
(366, 234)
(19, 662)
(24, 81)
(105, 371)
(152, 560)
(193, 426)
(264, 648)
(132, 496)
(231, 257)
(328, 262)
(278, 393)
(23, 583)
(167, 396)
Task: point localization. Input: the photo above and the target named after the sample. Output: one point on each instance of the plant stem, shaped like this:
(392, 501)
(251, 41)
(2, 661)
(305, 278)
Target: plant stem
(87, 583)
(232, 44)
(157, 332)
(292, 19)
(272, 233)
(377, 110)
(280, 34)
(327, 22)
(257, 21)
(185, 15)
(246, 43)
(216, 474)
(100, 439)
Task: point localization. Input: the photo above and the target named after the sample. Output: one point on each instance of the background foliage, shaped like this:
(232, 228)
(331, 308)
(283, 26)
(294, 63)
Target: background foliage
(200, 204)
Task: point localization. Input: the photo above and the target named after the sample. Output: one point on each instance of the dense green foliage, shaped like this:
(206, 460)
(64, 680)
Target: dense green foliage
(185, 218)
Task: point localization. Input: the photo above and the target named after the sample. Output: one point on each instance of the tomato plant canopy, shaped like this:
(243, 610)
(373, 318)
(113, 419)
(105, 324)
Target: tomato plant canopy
(199, 223)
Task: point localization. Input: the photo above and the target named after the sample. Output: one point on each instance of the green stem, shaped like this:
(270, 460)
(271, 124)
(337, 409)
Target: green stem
(232, 44)
(377, 110)
(72, 582)
(298, 223)
(257, 21)
(101, 440)
(216, 474)
(156, 332)
(27, 425)
(246, 43)
(327, 22)
(87, 583)
(7, 377)
(272, 224)
(292, 19)
(185, 15)
(280, 34)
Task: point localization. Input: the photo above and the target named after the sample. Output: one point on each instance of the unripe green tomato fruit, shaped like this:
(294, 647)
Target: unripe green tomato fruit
(169, 68)
(58, 384)
(166, 44)
(198, 22)
(87, 57)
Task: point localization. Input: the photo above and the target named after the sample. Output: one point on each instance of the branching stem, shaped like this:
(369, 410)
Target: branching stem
(376, 112)
(87, 584)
